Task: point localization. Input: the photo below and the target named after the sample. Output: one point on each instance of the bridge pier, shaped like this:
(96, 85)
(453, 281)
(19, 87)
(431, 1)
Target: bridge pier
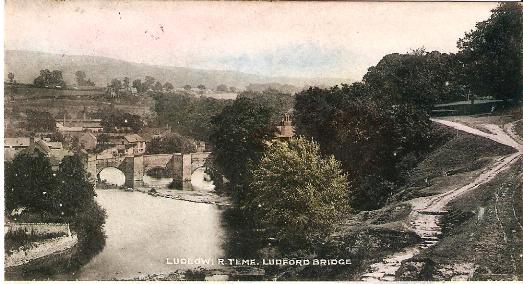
(181, 166)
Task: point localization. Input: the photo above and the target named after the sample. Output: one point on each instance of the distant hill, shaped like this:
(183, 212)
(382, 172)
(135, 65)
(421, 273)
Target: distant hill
(26, 66)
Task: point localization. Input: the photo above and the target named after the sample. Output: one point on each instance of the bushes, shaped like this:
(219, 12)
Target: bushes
(294, 194)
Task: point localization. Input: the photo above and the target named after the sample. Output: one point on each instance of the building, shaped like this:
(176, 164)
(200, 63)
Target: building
(137, 143)
(52, 150)
(285, 130)
(79, 125)
(88, 141)
(150, 133)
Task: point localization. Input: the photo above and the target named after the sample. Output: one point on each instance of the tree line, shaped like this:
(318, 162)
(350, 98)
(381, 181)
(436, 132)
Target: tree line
(356, 143)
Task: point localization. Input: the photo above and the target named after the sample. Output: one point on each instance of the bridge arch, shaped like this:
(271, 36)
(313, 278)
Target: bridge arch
(111, 176)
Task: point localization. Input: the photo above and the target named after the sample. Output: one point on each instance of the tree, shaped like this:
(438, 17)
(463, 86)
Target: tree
(376, 142)
(295, 194)
(116, 85)
(80, 78)
(126, 82)
(239, 136)
(40, 121)
(103, 139)
(30, 183)
(188, 115)
(201, 87)
(419, 77)
(148, 84)
(11, 77)
(157, 86)
(173, 143)
(491, 54)
(187, 87)
(49, 79)
(232, 89)
(138, 85)
(168, 86)
(221, 88)
(74, 189)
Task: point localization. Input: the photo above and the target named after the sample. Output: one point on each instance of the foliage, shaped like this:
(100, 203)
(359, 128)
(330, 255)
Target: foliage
(492, 56)
(222, 88)
(138, 85)
(80, 79)
(40, 121)
(168, 86)
(294, 193)
(188, 115)
(29, 182)
(421, 78)
(49, 79)
(113, 120)
(116, 85)
(279, 102)
(376, 142)
(239, 137)
(74, 188)
(173, 143)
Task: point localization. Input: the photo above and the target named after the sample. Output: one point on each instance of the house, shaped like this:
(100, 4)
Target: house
(13, 146)
(88, 141)
(285, 130)
(79, 125)
(150, 133)
(137, 143)
(53, 150)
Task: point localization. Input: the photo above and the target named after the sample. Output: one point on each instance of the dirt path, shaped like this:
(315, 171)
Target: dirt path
(427, 211)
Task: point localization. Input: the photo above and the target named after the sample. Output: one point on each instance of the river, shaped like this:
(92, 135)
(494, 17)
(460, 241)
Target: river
(143, 231)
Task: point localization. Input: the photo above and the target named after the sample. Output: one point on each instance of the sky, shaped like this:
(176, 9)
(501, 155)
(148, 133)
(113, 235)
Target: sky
(294, 39)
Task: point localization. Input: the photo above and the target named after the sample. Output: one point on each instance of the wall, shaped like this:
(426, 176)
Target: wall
(40, 249)
(38, 229)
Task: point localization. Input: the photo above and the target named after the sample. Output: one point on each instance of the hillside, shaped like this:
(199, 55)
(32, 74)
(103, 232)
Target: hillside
(26, 66)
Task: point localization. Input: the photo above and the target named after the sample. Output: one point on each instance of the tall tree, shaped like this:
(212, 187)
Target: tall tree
(138, 85)
(80, 78)
(491, 54)
(239, 136)
(126, 82)
(296, 195)
(30, 183)
(74, 189)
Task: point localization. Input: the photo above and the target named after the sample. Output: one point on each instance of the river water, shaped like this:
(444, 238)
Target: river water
(146, 234)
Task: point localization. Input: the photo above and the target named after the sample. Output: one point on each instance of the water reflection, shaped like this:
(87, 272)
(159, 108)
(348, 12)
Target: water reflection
(112, 176)
(142, 231)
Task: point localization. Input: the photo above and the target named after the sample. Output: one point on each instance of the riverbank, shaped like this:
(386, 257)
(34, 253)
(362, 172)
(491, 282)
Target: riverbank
(195, 196)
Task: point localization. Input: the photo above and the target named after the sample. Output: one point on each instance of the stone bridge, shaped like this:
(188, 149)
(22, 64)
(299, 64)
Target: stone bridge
(181, 166)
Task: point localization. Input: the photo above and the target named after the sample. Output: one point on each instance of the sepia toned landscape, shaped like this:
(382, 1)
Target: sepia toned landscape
(225, 141)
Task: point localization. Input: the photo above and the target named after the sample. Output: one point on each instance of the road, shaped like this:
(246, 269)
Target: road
(426, 211)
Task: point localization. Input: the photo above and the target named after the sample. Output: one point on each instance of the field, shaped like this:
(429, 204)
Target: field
(20, 99)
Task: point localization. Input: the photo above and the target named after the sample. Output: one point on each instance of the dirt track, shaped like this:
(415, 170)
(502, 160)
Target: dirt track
(424, 218)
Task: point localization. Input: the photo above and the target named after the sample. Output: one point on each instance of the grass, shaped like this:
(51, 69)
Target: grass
(518, 128)
(454, 164)
(485, 224)
(14, 240)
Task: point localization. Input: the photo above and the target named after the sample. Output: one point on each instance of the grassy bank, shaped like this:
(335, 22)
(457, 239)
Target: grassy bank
(485, 224)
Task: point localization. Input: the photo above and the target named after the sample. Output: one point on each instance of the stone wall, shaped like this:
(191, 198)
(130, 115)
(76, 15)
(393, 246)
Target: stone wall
(37, 250)
(38, 229)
